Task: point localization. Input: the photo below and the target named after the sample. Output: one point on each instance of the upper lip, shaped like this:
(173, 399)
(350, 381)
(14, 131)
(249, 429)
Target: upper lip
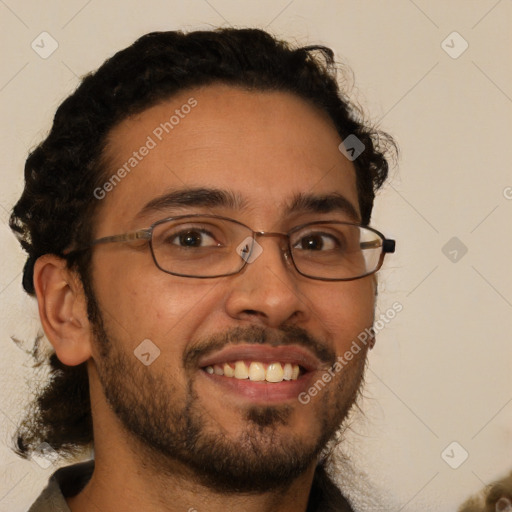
(292, 354)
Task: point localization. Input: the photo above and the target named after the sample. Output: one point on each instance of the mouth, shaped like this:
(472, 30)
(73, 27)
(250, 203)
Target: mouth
(261, 373)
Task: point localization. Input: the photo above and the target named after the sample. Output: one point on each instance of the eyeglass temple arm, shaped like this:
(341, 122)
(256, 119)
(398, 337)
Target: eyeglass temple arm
(387, 245)
(143, 234)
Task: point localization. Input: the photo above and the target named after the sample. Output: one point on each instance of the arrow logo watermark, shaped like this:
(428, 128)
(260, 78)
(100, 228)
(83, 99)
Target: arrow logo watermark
(454, 249)
(249, 249)
(454, 455)
(351, 147)
(44, 45)
(454, 45)
(147, 352)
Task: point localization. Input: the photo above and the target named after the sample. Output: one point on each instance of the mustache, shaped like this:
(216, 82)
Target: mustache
(258, 335)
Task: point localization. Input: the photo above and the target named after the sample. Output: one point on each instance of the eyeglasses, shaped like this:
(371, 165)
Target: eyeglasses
(208, 246)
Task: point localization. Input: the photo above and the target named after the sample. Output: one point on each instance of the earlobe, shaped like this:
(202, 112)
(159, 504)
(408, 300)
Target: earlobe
(62, 309)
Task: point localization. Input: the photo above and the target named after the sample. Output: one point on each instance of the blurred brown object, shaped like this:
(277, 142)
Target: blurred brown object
(496, 497)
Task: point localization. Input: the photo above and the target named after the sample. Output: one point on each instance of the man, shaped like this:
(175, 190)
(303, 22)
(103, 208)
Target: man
(200, 251)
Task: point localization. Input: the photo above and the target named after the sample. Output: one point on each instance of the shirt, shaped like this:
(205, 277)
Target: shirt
(70, 480)
(65, 482)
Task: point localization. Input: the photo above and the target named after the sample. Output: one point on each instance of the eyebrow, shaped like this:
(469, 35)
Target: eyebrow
(218, 198)
(323, 203)
(208, 197)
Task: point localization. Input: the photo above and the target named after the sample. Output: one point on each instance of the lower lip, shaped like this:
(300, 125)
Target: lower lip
(262, 391)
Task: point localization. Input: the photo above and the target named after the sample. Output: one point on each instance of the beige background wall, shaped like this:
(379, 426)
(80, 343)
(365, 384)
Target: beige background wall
(440, 371)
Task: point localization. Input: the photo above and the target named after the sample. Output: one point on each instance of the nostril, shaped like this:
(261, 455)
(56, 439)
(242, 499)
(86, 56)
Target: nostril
(251, 312)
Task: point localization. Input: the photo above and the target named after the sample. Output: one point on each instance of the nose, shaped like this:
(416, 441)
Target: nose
(269, 290)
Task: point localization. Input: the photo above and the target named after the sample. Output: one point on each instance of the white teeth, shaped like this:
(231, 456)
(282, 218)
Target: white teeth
(274, 372)
(256, 371)
(228, 371)
(241, 371)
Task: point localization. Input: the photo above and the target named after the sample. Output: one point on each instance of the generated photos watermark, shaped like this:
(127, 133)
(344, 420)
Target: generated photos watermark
(152, 141)
(357, 345)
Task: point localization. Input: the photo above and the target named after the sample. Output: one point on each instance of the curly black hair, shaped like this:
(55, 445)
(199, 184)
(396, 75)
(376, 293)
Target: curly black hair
(57, 208)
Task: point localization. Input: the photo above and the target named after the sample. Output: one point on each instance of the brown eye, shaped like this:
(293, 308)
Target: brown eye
(317, 242)
(192, 238)
(189, 239)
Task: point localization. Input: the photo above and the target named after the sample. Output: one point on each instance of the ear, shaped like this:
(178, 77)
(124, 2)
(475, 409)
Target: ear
(62, 309)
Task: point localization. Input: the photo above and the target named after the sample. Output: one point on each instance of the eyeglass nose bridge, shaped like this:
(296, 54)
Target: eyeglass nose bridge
(284, 247)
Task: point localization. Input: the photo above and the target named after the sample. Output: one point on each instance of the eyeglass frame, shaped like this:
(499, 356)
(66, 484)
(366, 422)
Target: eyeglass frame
(388, 245)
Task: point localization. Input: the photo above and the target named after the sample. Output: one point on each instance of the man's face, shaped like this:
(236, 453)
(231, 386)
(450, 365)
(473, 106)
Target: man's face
(265, 149)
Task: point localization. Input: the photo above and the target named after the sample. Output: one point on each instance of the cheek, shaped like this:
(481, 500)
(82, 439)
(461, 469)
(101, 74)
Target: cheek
(139, 302)
(346, 310)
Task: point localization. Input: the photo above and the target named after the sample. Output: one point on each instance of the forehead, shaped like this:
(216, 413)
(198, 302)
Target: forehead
(262, 147)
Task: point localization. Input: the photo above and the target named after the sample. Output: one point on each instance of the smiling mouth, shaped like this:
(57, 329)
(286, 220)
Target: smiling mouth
(257, 371)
